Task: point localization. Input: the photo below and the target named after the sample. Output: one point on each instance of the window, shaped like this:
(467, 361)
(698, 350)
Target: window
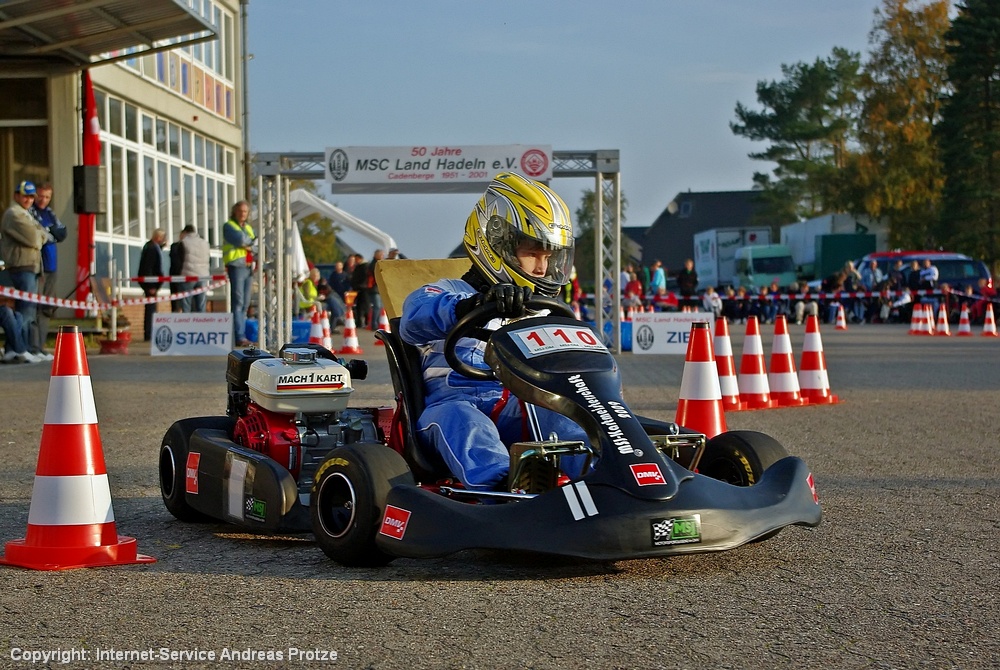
(686, 208)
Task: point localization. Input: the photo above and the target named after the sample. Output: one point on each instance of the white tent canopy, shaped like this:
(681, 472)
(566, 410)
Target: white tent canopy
(303, 203)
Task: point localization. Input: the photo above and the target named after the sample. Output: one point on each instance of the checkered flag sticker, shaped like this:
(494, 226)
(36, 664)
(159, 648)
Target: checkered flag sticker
(250, 503)
(662, 529)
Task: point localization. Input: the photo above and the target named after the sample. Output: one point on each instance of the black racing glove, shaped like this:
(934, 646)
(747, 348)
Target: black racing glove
(508, 298)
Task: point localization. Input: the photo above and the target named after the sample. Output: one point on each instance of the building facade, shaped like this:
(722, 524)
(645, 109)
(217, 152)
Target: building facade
(171, 134)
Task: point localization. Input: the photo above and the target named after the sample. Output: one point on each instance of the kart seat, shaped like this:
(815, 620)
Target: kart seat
(408, 388)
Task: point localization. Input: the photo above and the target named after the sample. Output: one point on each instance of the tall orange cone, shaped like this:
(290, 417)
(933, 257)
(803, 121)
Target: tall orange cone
(727, 367)
(316, 330)
(383, 324)
(964, 324)
(700, 404)
(841, 319)
(324, 318)
(782, 380)
(71, 522)
(351, 344)
(989, 323)
(813, 379)
(752, 380)
(942, 323)
(918, 322)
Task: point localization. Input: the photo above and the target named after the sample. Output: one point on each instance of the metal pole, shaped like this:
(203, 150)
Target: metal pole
(244, 82)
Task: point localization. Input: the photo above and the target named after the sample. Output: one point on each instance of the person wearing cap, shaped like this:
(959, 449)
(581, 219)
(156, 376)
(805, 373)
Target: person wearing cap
(21, 241)
(47, 283)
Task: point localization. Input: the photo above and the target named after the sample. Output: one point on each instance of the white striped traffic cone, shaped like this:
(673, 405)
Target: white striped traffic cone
(964, 324)
(918, 322)
(576, 311)
(727, 367)
(841, 319)
(351, 344)
(316, 330)
(324, 318)
(71, 521)
(700, 403)
(782, 380)
(813, 379)
(752, 380)
(383, 324)
(942, 323)
(989, 323)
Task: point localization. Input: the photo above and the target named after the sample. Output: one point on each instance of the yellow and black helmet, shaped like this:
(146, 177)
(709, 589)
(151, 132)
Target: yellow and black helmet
(516, 212)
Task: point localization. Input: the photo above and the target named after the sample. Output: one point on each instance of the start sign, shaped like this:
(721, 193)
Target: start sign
(665, 332)
(192, 334)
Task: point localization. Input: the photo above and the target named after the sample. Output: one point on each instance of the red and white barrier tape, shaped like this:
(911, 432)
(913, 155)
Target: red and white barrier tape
(177, 279)
(78, 304)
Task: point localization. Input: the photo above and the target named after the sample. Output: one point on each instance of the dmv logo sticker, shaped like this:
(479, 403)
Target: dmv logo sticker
(647, 474)
(394, 522)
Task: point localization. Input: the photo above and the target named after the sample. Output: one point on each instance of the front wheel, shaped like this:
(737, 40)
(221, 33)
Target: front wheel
(348, 500)
(174, 464)
(739, 457)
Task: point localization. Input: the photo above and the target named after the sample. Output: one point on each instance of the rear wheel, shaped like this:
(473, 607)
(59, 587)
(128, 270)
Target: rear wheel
(348, 500)
(740, 457)
(173, 464)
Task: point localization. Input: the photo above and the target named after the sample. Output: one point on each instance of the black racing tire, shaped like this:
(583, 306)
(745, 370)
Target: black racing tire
(348, 501)
(739, 457)
(173, 462)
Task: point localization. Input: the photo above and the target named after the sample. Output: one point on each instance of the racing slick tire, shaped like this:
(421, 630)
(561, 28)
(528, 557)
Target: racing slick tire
(348, 501)
(173, 462)
(739, 457)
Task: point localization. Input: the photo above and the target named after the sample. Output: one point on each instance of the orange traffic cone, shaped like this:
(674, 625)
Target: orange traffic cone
(700, 404)
(71, 522)
(351, 344)
(383, 324)
(727, 368)
(752, 380)
(324, 318)
(964, 324)
(942, 323)
(316, 330)
(841, 319)
(918, 322)
(989, 323)
(813, 379)
(576, 311)
(782, 380)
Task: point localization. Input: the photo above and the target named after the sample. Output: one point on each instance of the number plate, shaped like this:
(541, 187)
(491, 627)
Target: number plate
(549, 339)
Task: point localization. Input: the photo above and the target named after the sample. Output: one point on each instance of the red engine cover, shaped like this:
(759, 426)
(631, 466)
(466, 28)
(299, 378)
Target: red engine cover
(272, 434)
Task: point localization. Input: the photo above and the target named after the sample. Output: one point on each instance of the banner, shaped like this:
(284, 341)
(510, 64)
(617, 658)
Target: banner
(192, 334)
(431, 168)
(665, 332)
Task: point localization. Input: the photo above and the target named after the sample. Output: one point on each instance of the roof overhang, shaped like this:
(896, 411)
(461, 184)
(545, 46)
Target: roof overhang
(83, 33)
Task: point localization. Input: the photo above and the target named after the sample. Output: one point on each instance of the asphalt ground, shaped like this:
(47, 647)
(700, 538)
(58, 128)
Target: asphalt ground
(902, 573)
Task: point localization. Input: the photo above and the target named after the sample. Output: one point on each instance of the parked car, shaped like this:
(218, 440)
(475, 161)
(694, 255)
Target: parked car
(956, 270)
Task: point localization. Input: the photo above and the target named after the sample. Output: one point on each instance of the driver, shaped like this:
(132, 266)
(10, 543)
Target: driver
(520, 240)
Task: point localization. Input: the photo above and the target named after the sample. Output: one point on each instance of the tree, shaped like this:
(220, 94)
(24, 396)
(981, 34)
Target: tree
(808, 117)
(586, 219)
(897, 173)
(319, 233)
(969, 132)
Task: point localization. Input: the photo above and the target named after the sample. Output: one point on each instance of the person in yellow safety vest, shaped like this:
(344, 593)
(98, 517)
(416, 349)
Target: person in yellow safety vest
(237, 256)
(308, 292)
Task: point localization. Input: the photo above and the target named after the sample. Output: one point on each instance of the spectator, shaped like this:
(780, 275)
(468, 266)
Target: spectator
(21, 241)
(977, 312)
(633, 291)
(196, 262)
(711, 302)
(687, 284)
(659, 278)
(374, 298)
(47, 283)
(853, 305)
(359, 284)
(871, 281)
(764, 308)
(176, 270)
(308, 292)
(151, 265)
(340, 284)
(733, 306)
(237, 256)
(15, 350)
(833, 285)
(805, 305)
(928, 283)
(665, 301)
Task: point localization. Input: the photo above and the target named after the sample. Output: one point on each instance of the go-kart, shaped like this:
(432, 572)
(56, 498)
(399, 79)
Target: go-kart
(291, 456)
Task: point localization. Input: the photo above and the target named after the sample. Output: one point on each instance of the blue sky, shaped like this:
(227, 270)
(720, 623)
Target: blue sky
(657, 80)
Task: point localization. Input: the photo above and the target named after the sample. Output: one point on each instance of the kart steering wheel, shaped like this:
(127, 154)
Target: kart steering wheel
(471, 325)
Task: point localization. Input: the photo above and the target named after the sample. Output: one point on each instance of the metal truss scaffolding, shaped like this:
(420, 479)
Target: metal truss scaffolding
(274, 171)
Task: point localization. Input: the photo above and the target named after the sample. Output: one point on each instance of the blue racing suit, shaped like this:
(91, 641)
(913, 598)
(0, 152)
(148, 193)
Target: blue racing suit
(468, 422)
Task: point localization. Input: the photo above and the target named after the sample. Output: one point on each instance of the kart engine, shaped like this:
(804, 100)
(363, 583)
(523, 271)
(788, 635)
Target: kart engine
(294, 408)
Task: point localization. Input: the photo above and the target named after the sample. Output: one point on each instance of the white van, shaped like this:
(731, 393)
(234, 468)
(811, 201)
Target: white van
(759, 265)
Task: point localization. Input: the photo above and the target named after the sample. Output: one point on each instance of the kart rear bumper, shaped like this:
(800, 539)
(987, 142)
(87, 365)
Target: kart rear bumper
(602, 522)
